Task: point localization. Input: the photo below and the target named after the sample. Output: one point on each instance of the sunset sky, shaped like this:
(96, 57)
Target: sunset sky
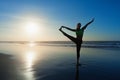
(39, 20)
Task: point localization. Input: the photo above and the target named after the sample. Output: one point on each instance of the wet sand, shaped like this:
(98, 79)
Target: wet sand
(22, 62)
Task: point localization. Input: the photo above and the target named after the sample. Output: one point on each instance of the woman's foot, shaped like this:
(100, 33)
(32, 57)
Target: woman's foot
(78, 64)
(60, 28)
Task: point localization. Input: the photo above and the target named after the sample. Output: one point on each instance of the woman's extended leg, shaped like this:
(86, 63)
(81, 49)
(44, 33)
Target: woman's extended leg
(68, 36)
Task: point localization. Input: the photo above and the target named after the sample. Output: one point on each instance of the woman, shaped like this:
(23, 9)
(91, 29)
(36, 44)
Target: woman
(79, 34)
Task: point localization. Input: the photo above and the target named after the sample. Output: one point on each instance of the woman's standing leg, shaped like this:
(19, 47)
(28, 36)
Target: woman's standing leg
(78, 46)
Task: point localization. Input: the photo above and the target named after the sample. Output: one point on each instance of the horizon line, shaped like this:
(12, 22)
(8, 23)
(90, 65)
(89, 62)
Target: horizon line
(54, 41)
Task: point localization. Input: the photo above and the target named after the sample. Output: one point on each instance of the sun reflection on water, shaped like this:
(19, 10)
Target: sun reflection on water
(31, 44)
(30, 56)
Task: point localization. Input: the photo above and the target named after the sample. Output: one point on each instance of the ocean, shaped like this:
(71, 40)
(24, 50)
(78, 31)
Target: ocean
(56, 60)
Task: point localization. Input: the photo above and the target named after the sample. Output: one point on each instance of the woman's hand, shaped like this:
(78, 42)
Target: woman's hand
(92, 19)
(63, 26)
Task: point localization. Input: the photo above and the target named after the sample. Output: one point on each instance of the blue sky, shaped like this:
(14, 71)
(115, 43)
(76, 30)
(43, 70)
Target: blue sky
(52, 14)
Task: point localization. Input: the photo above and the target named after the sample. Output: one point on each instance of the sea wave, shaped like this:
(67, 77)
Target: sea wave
(86, 44)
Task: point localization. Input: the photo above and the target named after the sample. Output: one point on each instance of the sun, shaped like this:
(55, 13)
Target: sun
(31, 28)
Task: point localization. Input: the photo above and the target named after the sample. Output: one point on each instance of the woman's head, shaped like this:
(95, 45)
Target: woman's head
(78, 25)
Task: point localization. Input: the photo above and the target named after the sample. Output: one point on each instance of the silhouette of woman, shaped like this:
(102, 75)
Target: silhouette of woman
(79, 34)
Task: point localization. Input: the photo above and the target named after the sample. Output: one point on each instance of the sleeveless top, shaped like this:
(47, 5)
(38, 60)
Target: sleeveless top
(79, 32)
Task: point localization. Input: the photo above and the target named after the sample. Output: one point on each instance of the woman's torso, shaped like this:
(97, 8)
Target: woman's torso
(79, 34)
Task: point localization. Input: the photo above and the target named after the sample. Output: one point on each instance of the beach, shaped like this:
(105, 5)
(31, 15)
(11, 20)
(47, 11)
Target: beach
(20, 61)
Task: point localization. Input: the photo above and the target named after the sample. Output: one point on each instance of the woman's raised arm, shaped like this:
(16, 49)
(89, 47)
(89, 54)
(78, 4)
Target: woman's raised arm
(84, 27)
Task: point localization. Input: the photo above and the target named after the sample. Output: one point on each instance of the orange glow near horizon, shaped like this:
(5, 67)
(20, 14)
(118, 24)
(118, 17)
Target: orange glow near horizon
(31, 44)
